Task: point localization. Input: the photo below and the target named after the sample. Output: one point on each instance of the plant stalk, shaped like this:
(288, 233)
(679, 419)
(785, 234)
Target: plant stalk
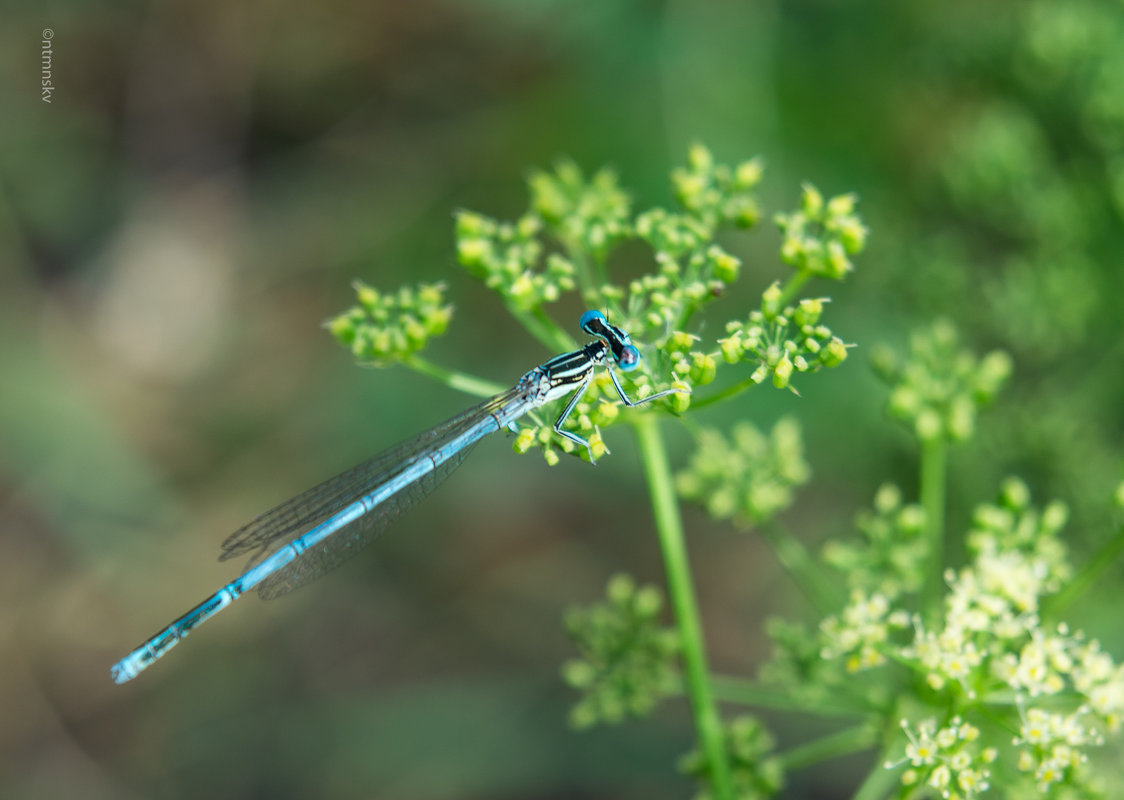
(461, 381)
(933, 456)
(669, 527)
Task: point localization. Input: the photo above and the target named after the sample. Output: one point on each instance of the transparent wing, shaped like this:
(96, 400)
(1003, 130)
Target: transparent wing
(279, 526)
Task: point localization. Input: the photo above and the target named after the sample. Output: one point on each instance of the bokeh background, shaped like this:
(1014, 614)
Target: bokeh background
(209, 177)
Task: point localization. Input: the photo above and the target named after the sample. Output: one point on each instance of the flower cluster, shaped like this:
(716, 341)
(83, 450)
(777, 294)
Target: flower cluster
(948, 759)
(627, 661)
(782, 341)
(507, 256)
(860, 633)
(384, 328)
(1050, 745)
(820, 238)
(589, 216)
(991, 636)
(681, 285)
(1012, 525)
(755, 772)
(714, 193)
(749, 475)
(891, 556)
(939, 387)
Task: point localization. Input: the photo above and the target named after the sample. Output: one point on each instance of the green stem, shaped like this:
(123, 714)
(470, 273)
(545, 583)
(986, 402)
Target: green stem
(794, 557)
(749, 693)
(1106, 557)
(726, 393)
(542, 328)
(933, 453)
(793, 287)
(669, 527)
(879, 782)
(851, 740)
(460, 381)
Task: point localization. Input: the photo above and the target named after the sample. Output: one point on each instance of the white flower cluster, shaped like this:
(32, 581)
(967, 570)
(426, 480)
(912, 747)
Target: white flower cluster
(860, 634)
(948, 759)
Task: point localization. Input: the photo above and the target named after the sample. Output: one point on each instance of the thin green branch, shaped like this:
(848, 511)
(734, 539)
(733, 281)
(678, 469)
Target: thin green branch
(879, 782)
(461, 381)
(543, 328)
(751, 693)
(933, 455)
(793, 287)
(669, 526)
(1108, 555)
(852, 740)
(803, 569)
(724, 394)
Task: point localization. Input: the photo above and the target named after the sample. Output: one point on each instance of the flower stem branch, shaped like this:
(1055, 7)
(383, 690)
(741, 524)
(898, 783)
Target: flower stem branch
(793, 287)
(669, 527)
(1108, 556)
(793, 556)
(841, 743)
(461, 381)
(749, 693)
(933, 456)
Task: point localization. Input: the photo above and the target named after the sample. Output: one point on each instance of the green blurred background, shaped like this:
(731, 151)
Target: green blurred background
(209, 177)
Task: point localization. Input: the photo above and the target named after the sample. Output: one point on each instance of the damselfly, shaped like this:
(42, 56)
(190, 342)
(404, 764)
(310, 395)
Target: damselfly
(316, 531)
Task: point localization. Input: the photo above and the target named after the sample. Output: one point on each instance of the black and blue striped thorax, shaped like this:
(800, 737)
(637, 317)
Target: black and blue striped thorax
(563, 374)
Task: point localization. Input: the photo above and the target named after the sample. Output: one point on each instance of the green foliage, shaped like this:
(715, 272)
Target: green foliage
(627, 662)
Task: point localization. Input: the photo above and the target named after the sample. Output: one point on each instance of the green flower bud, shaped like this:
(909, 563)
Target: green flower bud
(621, 588)
(342, 328)
(782, 372)
(748, 174)
(524, 440)
(852, 234)
(1015, 493)
(841, 205)
(838, 264)
(731, 349)
(811, 202)
(474, 253)
(742, 211)
(703, 368)
(887, 498)
(724, 265)
(808, 312)
(681, 400)
(528, 225)
(771, 300)
(699, 158)
(905, 402)
(1055, 516)
(470, 224)
(834, 354)
(928, 425)
(961, 418)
